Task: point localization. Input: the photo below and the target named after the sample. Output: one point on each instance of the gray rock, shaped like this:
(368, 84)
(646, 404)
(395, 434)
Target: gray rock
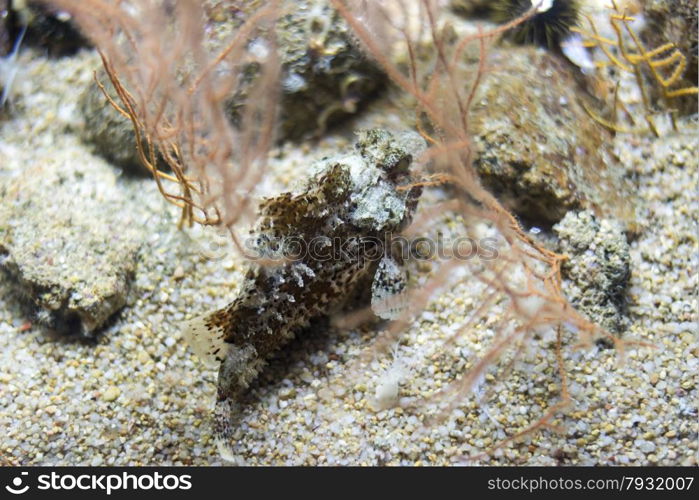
(325, 76)
(472, 8)
(598, 269)
(110, 134)
(5, 28)
(49, 28)
(537, 148)
(68, 243)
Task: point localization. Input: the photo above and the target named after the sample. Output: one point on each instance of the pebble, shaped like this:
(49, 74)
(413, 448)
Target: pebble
(646, 446)
(178, 273)
(111, 393)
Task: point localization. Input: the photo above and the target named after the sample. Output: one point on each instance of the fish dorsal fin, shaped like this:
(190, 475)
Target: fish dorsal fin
(205, 335)
(388, 298)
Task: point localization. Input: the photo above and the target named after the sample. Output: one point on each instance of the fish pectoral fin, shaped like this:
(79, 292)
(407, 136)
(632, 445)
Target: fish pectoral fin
(388, 296)
(206, 338)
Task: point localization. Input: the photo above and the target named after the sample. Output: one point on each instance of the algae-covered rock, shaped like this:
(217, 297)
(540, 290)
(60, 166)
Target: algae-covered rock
(537, 148)
(598, 267)
(675, 21)
(5, 28)
(67, 243)
(325, 76)
(472, 8)
(48, 27)
(109, 133)
(6, 43)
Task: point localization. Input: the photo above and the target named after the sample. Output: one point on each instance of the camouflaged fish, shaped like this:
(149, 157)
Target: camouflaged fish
(331, 237)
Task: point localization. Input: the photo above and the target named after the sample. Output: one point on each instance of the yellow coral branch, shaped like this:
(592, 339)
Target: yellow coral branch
(666, 65)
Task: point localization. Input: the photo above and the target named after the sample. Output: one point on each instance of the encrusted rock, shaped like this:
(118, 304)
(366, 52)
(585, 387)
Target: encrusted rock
(109, 133)
(325, 75)
(537, 148)
(598, 269)
(48, 28)
(5, 28)
(324, 78)
(472, 8)
(67, 243)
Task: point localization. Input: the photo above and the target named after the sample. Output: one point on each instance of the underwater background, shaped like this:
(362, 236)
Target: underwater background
(598, 162)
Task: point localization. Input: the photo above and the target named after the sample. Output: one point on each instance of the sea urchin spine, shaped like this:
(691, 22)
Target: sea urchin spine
(547, 27)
